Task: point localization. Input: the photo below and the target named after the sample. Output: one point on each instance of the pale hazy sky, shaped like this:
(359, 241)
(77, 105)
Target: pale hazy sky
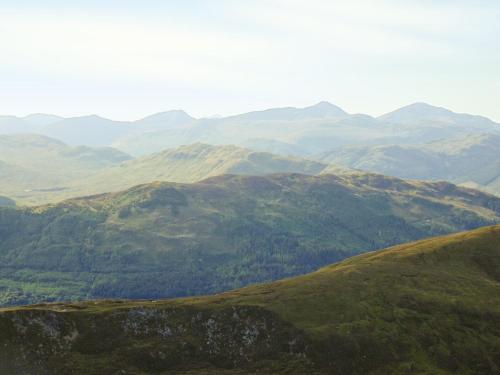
(126, 59)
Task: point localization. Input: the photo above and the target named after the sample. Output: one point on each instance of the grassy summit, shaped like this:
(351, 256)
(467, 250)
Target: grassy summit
(166, 240)
(429, 307)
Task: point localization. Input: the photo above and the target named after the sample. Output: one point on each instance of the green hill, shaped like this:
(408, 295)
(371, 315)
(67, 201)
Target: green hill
(37, 169)
(189, 163)
(192, 163)
(430, 307)
(165, 239)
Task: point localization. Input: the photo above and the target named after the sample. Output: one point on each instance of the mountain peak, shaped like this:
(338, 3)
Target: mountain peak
(325, 109)
(317, 111)
(166, 119)
(92, 117)
(417, 111)
(323, 104)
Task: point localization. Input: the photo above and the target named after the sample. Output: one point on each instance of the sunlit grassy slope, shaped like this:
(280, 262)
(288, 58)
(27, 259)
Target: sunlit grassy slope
(430, 307)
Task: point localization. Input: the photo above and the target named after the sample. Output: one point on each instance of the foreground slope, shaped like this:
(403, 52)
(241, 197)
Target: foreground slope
(165, 239)
(430, 307)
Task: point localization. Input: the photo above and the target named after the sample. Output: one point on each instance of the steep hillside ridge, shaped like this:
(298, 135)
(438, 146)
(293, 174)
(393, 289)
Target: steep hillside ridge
(427, 307)
(164, 239)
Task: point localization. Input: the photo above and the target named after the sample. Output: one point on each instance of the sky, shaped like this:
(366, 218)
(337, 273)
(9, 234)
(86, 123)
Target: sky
(128, 59)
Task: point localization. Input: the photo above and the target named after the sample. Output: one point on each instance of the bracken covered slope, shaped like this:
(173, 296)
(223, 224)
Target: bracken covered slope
(429, 307)
(168, 240)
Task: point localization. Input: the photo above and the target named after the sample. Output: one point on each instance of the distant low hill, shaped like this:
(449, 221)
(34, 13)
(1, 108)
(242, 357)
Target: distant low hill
(473, 160)
(430, 307)
(31, 163)
(163, 239)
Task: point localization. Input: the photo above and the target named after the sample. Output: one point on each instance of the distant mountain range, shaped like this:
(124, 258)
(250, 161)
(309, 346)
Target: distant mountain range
(430, 307)
(308, 130)
(315, 129)
(90, 130)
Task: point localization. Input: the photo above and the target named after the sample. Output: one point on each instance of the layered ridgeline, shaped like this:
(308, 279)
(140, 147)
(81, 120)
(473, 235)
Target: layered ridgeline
(473, 160)
(32, 165)
(430, 307)
(299, 131)
(184, 164)
(314, 129)
(28, 124)
(90, 130)
(394, 143)
(193, 163)
(165, 239)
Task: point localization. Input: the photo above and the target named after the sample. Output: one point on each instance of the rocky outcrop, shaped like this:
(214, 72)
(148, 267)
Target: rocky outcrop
(65, 339)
